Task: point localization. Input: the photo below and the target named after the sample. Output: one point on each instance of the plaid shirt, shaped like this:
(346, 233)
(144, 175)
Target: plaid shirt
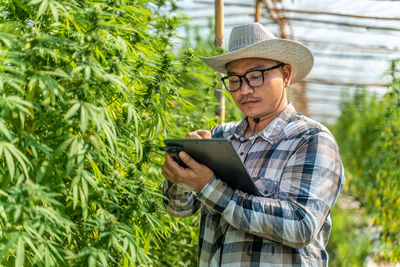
(295, 164)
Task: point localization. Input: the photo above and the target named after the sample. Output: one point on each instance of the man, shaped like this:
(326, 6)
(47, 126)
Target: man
(293, 160)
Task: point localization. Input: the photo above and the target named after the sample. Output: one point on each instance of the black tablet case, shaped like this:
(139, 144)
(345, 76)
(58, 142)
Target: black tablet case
(219, 155)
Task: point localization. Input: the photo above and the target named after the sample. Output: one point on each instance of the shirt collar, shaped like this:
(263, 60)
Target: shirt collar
(270, 132)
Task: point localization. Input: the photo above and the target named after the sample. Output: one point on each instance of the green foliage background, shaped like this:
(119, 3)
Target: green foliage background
(368, 133)
(88, 91)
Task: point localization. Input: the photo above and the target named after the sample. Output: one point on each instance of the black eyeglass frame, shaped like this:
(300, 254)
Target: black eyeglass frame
(247, 81)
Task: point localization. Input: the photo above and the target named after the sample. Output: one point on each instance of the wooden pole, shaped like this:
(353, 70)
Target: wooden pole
(282, 23)
(257, 16)
(219, 23)
(298, 94)
(219, 43)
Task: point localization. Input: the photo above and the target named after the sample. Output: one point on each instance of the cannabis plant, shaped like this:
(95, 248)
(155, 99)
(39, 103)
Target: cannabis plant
(368, 133)
(85, 93)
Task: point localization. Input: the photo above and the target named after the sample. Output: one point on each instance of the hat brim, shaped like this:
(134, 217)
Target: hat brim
(289, 52)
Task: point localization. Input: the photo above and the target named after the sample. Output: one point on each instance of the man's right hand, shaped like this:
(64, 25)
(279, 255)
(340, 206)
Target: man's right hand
(199, 134)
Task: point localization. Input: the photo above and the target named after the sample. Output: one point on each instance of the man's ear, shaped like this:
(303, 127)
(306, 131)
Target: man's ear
(287, 75)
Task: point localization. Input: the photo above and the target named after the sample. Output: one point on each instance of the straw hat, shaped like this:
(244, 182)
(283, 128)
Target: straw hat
(253, 40)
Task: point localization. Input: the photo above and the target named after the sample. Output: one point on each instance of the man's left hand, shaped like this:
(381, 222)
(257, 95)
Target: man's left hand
(194, 178)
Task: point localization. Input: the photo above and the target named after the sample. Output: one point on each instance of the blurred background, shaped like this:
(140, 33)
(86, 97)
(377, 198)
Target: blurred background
(353, 42)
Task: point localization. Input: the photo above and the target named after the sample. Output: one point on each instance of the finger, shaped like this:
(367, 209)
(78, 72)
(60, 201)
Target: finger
(193, 135)
(172, 165)
(172, 169)
(191, 163)
(204, 134)
(169, 160)
(167, 173)
(168, 157)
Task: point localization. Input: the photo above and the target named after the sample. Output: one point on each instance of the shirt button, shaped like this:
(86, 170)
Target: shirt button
(241, 153)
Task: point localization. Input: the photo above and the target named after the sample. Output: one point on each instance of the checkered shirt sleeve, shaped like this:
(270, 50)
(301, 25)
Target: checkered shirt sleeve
(180, 202)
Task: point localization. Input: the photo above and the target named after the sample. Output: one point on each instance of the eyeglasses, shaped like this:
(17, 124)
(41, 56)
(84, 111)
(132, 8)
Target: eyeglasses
(253, 78)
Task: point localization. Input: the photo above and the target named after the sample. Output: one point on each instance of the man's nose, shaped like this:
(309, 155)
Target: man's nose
(245, 88)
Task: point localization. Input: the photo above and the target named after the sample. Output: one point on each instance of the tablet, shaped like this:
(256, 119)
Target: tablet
(219, 155)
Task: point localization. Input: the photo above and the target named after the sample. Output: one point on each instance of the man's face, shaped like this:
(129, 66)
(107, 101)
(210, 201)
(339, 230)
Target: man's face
(264, 100)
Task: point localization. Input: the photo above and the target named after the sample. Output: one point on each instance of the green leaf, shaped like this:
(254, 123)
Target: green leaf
(85, 189)
(72, 155)
(63, 146)
(21, 158)
(20, 257)
(10, 162)
(35, 2)
(87, 73)
(103, 259)
(42, 171)
(54, 11)
(75, 195)
(109, 136)
(92, 261)
(8, 246)
(84, 119)
(96, 172)
(7, 133)
(17, 213)
(22, 119)
(33, 247)
(15, 101)
(72, 111)
(42, 8)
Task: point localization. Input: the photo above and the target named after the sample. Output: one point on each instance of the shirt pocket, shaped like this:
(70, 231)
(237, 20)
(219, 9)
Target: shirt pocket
(267, 187)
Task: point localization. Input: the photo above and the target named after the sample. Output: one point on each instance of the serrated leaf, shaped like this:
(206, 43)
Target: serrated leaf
(72, 111)
(21, 158)
(75, 195)
(17, 213)
(41, 172)
(5, 130)
(10, 163)
(96, 172)
(109, 136)
(17, 100)
(87, 73)
(34, 2)
(32, 246)
(84, 119)
(92, 261)
(133, 253)
(85, 188)
(63, 145)
(42, 8)
(8, 246)
(103, 259)
(22, 119)
(54, 11)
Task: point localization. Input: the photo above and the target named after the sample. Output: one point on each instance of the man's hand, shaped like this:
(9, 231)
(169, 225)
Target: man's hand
(199, 134)
(194, 178)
